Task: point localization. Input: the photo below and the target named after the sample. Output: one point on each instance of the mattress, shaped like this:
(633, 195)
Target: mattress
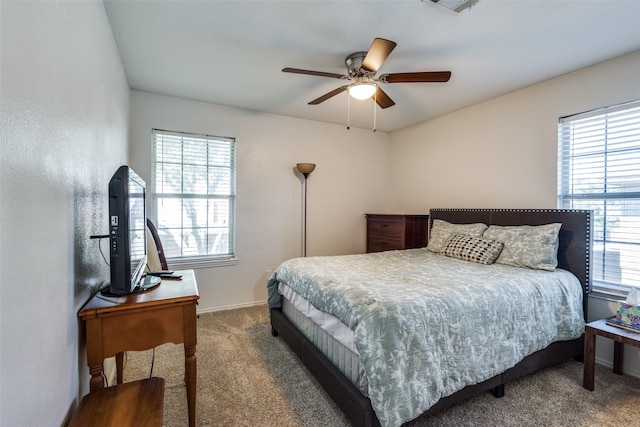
(327, 333)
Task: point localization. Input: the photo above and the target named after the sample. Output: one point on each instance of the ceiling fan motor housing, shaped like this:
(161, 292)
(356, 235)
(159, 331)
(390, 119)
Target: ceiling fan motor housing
(354, 65)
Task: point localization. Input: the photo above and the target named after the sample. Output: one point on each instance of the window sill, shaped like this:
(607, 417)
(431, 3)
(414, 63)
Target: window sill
(196, 263)
(607, 295)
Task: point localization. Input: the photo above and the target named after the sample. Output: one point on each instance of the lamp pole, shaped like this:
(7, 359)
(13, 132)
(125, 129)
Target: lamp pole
(305, 169)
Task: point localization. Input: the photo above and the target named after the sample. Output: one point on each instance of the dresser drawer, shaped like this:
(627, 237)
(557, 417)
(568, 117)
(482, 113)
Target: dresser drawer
(381, 243)
(393, 227)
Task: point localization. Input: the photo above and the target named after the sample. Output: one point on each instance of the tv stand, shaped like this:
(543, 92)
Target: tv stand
(140, 321)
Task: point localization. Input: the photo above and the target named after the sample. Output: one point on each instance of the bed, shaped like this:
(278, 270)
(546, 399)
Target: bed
(351, 348)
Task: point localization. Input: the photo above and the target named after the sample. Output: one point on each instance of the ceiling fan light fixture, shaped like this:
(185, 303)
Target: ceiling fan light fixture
(362, 91)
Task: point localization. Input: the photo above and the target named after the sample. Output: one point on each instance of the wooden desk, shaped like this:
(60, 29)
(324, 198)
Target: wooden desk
(142, 321)
(618, 335)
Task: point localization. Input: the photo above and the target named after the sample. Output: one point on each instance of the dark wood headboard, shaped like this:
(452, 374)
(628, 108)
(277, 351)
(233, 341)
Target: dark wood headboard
(574, 251)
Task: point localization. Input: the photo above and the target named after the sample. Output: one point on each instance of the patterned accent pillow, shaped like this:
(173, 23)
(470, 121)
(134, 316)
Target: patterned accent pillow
(474, 249)
(532, 246)
(442, 230)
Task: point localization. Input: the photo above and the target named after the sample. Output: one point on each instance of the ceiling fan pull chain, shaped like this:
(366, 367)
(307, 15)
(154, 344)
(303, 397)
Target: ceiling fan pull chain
(375, 110)
(348, 112)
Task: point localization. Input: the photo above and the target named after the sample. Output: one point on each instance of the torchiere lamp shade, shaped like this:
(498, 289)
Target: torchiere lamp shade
(306, 168)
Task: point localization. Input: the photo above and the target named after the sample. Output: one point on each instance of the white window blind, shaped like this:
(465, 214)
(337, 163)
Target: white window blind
(599, 169)
(194, 197)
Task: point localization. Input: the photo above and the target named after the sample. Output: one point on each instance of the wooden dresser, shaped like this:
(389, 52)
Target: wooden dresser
(386, 232)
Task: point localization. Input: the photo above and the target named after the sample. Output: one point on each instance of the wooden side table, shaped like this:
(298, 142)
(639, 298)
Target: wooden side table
(618, 335)
(142, 321)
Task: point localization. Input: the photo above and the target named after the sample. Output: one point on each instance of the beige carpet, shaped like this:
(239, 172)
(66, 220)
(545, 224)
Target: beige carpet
(246, 377)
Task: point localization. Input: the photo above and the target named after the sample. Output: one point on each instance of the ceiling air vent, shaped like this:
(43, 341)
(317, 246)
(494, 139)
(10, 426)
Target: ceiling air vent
(456, 5)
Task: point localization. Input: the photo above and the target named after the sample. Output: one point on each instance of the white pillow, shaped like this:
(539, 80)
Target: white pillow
(532, 246)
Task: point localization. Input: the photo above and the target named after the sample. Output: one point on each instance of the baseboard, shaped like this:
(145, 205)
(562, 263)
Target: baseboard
(631, 371)
(231, 307)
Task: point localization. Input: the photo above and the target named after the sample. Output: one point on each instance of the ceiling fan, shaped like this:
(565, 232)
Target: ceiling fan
(361, 70)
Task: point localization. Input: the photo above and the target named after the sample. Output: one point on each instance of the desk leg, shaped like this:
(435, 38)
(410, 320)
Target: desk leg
(618, 353)
(190, 380)
(97, 381)
(589, 359)
(190, 340)
(120, 367)
(95, 355)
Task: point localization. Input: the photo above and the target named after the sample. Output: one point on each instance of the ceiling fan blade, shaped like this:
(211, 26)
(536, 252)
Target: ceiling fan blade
(419, 77)
(383, 99)
(314, 73)
(378, 52)
(329, 95)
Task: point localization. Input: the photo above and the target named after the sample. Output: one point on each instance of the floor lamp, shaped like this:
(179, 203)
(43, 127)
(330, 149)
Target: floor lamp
(305, 169)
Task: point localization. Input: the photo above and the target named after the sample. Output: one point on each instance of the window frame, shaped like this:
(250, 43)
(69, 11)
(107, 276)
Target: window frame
(572, 192)
(197, 261)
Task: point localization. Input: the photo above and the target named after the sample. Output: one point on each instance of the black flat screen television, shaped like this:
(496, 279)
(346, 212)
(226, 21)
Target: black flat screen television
(127, 230)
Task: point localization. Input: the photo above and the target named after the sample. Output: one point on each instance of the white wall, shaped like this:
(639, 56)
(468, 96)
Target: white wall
(503, 154)
(64, 104)
(351, 178)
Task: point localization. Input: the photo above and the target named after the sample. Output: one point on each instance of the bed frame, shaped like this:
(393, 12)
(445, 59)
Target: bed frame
(574, 254)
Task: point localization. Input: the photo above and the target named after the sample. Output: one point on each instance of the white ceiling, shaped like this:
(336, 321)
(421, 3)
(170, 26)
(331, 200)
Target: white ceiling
(232, 52)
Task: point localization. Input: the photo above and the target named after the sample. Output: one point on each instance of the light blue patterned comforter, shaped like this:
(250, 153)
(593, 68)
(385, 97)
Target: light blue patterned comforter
(426, 325)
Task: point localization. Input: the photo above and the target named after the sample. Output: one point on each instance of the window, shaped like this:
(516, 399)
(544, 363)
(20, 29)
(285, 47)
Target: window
(193, 198)
(599, 169)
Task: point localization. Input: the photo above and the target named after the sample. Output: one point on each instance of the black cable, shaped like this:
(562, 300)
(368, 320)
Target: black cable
(99, 237)
(153, 359)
